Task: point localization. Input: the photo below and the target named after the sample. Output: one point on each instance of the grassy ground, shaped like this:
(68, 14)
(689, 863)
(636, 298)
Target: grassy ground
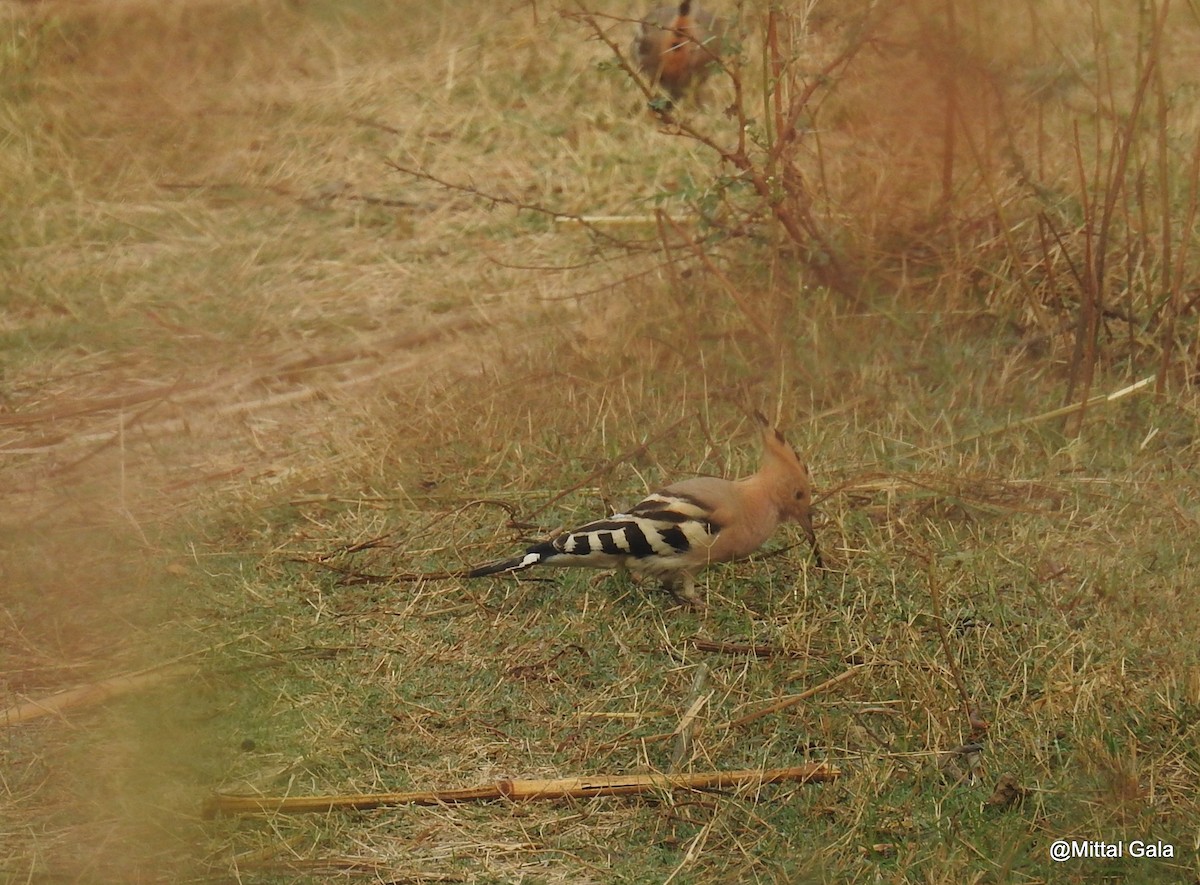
(249, 368)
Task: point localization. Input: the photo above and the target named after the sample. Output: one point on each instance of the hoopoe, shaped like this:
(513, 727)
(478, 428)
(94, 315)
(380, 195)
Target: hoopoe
(676, 45)
(676, 533)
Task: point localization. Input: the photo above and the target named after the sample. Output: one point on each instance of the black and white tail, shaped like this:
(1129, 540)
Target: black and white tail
(528, 559)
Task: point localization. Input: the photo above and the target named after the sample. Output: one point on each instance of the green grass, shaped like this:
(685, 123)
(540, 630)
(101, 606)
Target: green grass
(1064, 589)
(245, 359)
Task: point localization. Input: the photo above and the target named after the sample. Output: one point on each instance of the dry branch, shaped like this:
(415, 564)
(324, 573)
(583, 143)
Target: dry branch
(517, 789)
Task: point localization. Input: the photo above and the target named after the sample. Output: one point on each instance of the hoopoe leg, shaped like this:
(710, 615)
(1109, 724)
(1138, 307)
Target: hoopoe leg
(683, 588)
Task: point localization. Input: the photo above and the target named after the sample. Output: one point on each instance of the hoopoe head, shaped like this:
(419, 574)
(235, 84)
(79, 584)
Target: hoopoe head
(788, 479)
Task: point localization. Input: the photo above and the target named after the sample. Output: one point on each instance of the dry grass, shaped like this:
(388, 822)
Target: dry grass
(251, 370)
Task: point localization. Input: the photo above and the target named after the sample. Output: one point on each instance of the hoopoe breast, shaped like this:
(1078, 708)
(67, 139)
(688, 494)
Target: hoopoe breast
(676, 45)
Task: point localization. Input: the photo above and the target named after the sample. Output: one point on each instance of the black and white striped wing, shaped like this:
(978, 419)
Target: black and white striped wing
(660, 534)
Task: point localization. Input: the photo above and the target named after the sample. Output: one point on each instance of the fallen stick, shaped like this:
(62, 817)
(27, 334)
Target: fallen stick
(521, 790)
(738, 648)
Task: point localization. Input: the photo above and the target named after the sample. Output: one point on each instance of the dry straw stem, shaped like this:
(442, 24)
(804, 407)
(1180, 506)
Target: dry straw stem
(774, 707)
(92, 693)
(686, 728)
(518, 789)
(792, 700)
(625, 219)
(1098, 399)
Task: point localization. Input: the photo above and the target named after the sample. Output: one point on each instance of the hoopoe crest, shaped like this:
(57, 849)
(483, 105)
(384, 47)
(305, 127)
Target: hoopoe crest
(678, 45)
(677, 532)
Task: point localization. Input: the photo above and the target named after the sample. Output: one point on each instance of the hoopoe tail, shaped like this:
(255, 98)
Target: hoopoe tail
(528, 559)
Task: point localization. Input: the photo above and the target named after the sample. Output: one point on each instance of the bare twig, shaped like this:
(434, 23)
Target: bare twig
(792, 700)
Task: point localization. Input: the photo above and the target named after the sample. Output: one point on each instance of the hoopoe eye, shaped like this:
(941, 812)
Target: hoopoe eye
(800, 495)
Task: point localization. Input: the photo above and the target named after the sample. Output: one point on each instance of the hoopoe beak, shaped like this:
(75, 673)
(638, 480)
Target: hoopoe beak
(806, 523)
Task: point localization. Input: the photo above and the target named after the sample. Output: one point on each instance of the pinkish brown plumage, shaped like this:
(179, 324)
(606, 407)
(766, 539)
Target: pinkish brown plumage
(677, 46)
